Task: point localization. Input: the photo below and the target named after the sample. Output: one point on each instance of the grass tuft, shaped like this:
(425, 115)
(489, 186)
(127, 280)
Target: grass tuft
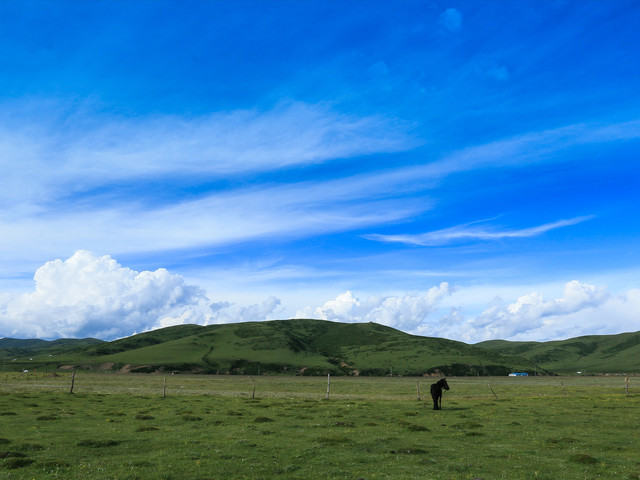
(147, 428)
(142, 416)
(583, 459)
(417, 428)
(410, 451)
(11, 454)
(191, 418)
(47, 417)
(98, 443)
(345, 424)
(263, 420)
(54, 463)
(469, 424)
(14, 463)
(30, 447)
(561, 440)
(335, 440)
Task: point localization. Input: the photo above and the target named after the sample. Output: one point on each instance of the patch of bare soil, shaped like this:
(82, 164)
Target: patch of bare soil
(126, 369)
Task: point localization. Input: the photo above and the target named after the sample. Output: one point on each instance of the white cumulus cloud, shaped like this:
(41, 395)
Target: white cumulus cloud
(582, 309)
(402, 312)
(225, 312)
(90, 295)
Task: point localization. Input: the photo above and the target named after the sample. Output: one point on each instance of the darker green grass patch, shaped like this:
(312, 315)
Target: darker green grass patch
(16, 462)
(29, 447)
(98, 443)
(561, 441)
(263, 420)
(116, 414)
(142, 416)
(333, 440)
(191, 418)
(7, 414)
(344, 424)
(417, 428)
(4, 441)
(465, 425)
(409, 451)
(583, 459)
(147, 428)
(53, 463)
(46, 418)
(11, 454)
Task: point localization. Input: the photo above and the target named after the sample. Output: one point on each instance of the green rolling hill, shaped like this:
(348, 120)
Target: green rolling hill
(318, 347)
(588, 354)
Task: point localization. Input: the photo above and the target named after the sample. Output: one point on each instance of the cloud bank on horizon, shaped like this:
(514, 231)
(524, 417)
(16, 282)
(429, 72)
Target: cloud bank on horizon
(88, 295)
(461, 170)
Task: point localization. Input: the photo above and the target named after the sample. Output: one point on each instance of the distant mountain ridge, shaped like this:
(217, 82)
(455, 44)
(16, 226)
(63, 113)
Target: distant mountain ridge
(318, 347)
(587, 354)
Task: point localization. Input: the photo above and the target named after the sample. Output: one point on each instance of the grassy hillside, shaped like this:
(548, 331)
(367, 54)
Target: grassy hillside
(315, 347)
(304, 347)
(588, 354)
(12, 348)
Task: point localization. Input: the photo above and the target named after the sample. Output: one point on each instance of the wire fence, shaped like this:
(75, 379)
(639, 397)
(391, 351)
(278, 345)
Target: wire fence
(382, 388)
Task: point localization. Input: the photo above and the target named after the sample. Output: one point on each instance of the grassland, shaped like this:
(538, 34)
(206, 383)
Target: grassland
(233, 427)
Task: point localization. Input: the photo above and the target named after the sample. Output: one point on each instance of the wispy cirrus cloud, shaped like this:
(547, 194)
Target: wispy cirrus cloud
(527, 148)
(468, 232)
(60, 153)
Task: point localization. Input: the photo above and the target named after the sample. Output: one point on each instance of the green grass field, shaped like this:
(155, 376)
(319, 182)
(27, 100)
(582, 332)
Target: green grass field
(209, 427)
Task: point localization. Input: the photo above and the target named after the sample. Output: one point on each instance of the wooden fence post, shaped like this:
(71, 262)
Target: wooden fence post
(494, 393)
(164, 388)
(626, 385)
(73, 380)
(328, 384)
(564, 394)
(253, 393)
(418, 388)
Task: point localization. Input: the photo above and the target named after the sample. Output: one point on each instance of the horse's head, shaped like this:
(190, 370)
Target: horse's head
(443, 383)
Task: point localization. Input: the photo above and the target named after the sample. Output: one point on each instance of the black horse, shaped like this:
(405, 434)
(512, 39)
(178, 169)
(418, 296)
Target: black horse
(436, 392)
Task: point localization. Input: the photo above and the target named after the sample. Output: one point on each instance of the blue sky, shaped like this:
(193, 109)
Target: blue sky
(466, 169)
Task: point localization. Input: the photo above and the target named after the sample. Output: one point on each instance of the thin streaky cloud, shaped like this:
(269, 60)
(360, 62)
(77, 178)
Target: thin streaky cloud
(219, 144)
(531, 147)
(464, 232)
